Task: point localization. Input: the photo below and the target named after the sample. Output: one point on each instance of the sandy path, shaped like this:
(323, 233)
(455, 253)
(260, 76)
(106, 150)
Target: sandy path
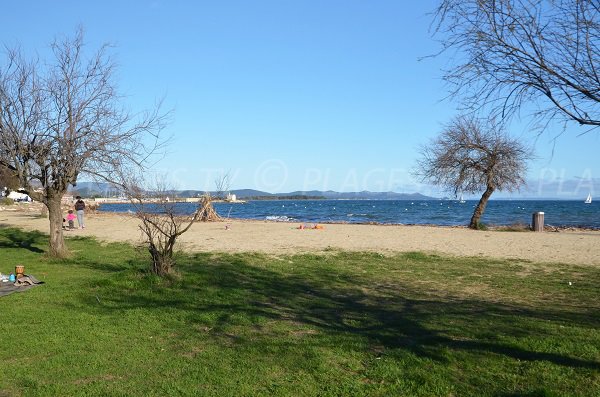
(577, 247)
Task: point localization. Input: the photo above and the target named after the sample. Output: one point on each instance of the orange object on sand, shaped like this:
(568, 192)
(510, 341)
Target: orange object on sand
(315, 227)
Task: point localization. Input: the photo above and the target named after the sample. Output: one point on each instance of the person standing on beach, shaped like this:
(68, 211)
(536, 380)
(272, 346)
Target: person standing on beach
(79, 208)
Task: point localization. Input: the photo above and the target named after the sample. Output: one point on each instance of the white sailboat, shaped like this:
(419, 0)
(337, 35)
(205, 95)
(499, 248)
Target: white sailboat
(588, 200)
(461, 199)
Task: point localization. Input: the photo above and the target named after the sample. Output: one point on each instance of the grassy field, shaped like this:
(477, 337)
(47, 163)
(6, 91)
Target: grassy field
(336, 324)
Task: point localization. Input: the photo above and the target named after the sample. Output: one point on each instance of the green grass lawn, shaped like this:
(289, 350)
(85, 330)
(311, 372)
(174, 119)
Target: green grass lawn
(336, 324)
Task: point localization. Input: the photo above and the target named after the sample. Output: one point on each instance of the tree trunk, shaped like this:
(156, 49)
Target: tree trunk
(44, 212)
(474, 224)
(58, 249)
(161, 262)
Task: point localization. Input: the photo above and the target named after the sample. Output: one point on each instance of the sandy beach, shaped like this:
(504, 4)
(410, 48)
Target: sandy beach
(574, 247)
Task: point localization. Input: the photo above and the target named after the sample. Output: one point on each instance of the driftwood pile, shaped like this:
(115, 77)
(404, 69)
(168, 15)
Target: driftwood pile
(206, 212)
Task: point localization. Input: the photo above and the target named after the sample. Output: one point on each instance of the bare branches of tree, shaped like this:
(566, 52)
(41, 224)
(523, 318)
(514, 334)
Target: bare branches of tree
(162, 222)
(222, 185)
(470, 156)
(8, 179)
(525, 54)
(64, 117)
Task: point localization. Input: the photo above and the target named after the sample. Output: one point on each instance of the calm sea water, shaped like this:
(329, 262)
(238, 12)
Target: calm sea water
(436, 212)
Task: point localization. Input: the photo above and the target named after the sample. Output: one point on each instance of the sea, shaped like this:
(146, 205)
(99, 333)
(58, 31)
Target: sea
(559, 213)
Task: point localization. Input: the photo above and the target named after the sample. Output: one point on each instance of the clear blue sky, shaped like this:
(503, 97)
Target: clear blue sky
(289, 95)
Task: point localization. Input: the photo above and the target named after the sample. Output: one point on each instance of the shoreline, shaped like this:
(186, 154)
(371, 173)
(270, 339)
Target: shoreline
(569, 246)
(492, 227)
(506, 215)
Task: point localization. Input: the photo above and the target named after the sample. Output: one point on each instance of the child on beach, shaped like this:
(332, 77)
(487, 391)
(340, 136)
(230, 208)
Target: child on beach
(71, 218)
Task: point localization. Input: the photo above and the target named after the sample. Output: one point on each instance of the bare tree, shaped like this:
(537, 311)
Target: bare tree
(222, 185)
(63, 118)
(469, 156)
(163, 220)
(541, 56)
(8, 179)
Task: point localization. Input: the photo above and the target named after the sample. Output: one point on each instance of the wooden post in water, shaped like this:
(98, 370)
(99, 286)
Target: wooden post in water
(537, 222)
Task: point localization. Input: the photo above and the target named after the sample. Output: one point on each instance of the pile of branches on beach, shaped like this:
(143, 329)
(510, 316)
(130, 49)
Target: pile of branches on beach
(206, 211)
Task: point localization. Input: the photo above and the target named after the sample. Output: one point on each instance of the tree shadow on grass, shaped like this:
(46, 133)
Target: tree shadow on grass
(216, 293)
(89, 253)
(86, 251)
(16, 238)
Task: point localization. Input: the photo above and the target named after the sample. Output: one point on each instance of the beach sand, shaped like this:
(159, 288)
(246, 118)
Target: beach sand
(573, 247)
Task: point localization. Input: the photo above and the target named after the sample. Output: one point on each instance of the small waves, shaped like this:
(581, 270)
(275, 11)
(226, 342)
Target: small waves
(279, 218)
(363, 216)
(444, 212)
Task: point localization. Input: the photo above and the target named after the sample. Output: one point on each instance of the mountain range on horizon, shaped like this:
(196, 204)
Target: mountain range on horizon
(90, 189)
(332, 195)
(103, 189)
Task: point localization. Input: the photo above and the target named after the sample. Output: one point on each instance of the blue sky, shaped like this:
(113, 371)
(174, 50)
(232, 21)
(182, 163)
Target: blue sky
(290, 95)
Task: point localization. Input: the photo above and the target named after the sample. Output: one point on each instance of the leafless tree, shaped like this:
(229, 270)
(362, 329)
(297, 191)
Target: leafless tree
(163, 220)
(540, 56)
(222, 185)
(470, 156)
(8, 179)
(64, 117)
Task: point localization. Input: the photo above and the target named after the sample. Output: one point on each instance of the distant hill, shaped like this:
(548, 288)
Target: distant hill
(240, 193)
(364, 195)
(90, 189)
(331, 195)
